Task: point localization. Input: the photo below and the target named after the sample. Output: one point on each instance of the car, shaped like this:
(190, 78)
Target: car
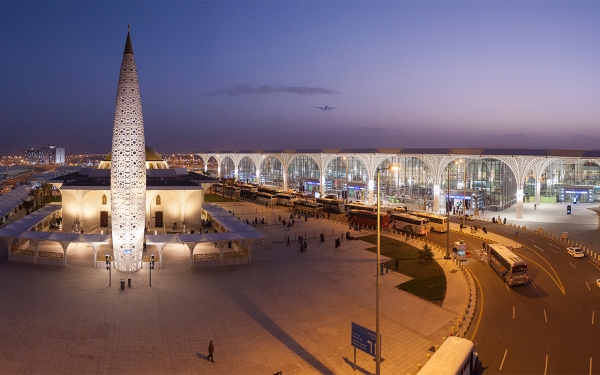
(469, 217)
(575, 252)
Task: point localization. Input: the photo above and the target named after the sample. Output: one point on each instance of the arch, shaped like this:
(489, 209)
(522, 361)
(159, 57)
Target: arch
(227, 167)
(246, 169)
(271, 171)
(346, 173)
(410, 181)
(304, 173)
(158, 200)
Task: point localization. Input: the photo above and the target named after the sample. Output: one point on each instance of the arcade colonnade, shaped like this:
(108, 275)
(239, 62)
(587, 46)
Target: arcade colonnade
(500, 178)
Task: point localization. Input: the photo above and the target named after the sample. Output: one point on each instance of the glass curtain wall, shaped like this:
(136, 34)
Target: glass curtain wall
(409, 183)
(247, 170)
(346, 173)
(227, 167)
(491, 181)
(561, 173)
(303, 174)
(271, 172)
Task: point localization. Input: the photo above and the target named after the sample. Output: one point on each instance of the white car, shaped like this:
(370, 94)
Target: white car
(575, 252)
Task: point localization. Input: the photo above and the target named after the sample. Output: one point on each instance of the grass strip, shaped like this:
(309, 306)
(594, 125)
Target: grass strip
(429, 280)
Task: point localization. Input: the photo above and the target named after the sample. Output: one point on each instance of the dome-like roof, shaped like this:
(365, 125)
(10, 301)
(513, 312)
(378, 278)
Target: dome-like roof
(151, 155)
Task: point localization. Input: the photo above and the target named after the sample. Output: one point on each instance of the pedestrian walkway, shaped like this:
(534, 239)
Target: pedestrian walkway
(288, 311)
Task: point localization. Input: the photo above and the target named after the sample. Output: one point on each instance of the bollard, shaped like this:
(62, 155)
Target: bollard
(436, 348)
(122, 284)
(428, 357)
(419, 366)
(452, 332)
(129, 282)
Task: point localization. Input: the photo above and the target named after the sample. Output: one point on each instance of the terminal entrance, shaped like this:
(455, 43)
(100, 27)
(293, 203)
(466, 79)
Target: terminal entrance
(574, 194)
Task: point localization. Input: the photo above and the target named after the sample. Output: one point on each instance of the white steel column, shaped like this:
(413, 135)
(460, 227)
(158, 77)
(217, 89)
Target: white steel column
(538, 186)
(436, 197)
(371, 191)
(257, 178)
(519, 201)
(285, 185)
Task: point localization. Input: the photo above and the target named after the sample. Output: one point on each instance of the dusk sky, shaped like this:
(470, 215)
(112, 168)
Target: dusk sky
(247, 75)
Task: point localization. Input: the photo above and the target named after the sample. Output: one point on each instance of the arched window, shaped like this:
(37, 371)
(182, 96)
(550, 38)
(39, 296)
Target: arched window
(103, 199)
(158, 200)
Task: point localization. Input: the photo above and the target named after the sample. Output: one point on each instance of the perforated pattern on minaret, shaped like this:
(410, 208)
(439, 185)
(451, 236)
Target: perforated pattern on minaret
(128, 170)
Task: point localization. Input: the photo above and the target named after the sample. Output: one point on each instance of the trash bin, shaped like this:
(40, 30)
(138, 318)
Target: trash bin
(122, 284)
(129, 282)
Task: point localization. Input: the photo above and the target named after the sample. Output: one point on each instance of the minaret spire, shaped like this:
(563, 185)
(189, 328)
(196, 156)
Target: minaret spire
(128, 169)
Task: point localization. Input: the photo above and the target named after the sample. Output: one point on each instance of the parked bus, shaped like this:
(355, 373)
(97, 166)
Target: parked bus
(420, 226)
(359, 206)
(307, 206)
(332, 205)
(437, 223)
(286, 199)
(265, 198)
(248, 195)
(459, 251)
(507, 264)
(456, 356)
(367, 218)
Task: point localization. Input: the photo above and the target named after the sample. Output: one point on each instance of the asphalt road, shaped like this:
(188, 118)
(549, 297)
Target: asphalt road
(548, 326)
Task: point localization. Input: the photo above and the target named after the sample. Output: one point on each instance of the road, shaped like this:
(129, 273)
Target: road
(546, 327)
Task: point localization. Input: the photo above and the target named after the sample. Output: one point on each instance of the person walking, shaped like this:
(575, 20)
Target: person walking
(396, 265)
(288, 241)
(211, 350)
(535, 206)
(305, 245)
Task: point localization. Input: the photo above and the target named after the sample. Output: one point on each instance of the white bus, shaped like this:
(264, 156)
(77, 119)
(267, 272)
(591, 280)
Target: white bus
(265, 198)
(332, 205)
(307, 206)
(507, 264)
(286, 199)
(362, 207)
(437, 223)
(456, 356)
(420, 225)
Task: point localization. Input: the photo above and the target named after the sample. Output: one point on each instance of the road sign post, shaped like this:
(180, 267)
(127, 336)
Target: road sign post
(516, 240)
(363, 339)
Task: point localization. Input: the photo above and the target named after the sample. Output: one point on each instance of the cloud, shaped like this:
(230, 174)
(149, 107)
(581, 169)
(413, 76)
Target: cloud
(268, 90)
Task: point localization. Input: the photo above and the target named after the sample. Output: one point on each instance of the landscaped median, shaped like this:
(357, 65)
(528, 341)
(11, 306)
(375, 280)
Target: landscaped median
(428, 278)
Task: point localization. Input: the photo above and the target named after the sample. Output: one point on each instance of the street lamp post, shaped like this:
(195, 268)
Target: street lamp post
(447, 255)
(377, 283)
(151, 267)
(108, 267)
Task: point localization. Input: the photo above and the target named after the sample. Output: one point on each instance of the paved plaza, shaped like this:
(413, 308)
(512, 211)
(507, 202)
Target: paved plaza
(287, 311)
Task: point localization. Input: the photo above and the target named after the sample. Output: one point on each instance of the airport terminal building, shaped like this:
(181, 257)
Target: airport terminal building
(491, 179)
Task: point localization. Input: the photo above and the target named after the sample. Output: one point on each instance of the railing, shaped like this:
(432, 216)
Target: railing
(209, 256)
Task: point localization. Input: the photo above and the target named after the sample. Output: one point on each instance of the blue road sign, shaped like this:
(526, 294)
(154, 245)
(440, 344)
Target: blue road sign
(363, 339)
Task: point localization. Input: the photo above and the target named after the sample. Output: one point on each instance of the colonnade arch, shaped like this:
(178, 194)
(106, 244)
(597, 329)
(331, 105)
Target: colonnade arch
(272, 172)
(304, 173)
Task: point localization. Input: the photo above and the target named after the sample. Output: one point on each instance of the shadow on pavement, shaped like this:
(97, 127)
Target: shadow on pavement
(201, 356)
(276, 331)
(358, 368)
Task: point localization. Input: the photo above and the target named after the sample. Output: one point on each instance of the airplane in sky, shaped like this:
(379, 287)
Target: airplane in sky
(326, 108)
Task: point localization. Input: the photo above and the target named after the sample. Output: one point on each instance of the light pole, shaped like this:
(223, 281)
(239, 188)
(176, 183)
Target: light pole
(108, 268)
(447, 255)
(151, 267)
(378, 283)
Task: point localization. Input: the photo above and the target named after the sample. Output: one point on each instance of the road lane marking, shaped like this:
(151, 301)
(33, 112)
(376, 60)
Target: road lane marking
(503, 358)
(592, 317)
(588, 285)
(545, 317)
(532, 283)
(480, 308)
(538, 247)
(590, 365)
(554, 245)
(546, 368)
(557, 281)
(572, 265)
(513, 312)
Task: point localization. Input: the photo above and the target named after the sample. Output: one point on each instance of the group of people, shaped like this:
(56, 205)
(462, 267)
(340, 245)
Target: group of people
(303, 244)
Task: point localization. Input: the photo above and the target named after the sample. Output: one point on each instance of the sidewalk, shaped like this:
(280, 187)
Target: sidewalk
(287, 311)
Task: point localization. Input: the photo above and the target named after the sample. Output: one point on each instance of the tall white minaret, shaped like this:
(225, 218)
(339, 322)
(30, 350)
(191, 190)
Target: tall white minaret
(128, 169)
